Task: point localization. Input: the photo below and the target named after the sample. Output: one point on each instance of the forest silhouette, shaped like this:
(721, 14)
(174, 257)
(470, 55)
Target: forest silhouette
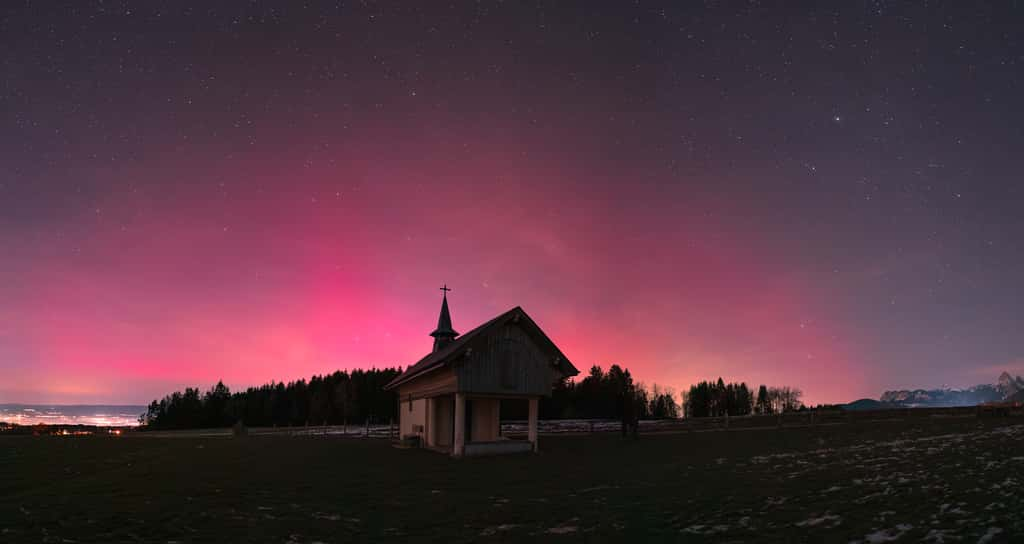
(357, 397)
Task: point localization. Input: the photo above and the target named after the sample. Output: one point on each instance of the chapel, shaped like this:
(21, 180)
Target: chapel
(450, 400)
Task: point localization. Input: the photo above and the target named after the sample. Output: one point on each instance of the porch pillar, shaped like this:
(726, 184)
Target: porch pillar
(459, 447)
(532, 425)
(428, 432)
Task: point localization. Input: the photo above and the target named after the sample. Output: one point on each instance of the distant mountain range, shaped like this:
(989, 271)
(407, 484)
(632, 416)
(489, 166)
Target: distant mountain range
(1006, 388)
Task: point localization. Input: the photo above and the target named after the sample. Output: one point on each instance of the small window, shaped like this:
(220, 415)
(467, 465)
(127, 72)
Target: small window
(410, 402)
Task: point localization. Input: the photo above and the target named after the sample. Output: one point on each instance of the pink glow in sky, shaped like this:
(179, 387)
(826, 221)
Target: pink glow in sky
(251, 274)
(277, 190)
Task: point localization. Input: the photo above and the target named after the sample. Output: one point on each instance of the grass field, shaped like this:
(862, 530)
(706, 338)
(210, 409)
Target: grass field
(932, 480)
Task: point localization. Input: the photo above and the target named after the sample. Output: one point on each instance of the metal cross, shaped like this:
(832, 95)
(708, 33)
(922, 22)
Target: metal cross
(445, 288)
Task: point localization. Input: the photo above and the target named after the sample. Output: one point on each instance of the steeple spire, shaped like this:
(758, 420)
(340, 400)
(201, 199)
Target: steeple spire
(444, 332)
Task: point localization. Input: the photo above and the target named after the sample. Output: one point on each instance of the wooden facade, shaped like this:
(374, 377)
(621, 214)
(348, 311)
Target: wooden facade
(450, 399)
(440, 382)
(508, 362)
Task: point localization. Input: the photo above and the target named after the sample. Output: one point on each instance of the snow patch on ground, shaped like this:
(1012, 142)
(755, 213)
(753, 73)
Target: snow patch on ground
(827, 520)
(989, 535)
(491, 531)
(939, 536)
(887, 535)
(328, 517)
(706, 529)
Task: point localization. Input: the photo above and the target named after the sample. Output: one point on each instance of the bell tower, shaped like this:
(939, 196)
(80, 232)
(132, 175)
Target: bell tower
(444, 333)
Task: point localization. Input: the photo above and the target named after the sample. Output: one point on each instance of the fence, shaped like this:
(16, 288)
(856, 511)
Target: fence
(517, 429)
(802, 418)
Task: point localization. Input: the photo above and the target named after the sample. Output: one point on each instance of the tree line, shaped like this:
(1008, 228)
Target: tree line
(358, 397)
(601, 395)
(716, 399)
(332, 399)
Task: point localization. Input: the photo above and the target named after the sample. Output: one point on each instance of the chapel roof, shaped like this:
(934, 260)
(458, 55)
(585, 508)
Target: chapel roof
(457, 347)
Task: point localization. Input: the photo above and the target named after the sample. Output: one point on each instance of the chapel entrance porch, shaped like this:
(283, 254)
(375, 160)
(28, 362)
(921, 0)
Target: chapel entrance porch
(466, 425)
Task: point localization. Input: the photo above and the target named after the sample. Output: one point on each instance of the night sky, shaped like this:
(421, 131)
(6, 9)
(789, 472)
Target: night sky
(823, 197)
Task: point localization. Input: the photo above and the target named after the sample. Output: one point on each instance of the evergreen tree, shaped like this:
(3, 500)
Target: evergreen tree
(333, 399)
(763, 404)
(716, 399)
